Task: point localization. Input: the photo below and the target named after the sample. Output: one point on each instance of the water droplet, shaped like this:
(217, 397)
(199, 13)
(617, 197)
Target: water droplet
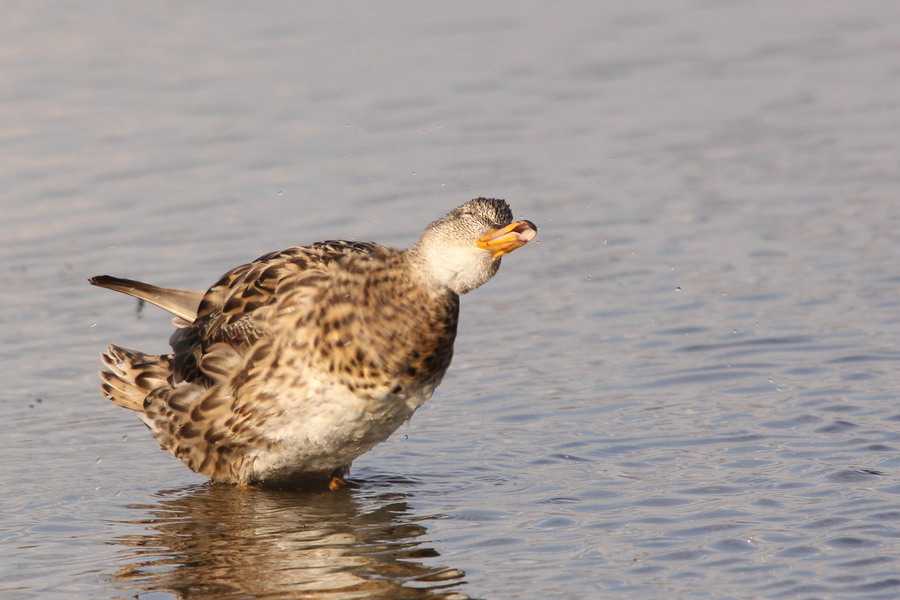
(125, 438)
(98, 461)
(677, 288)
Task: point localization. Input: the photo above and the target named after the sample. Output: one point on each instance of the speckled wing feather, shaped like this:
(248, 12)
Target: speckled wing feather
(237, 310)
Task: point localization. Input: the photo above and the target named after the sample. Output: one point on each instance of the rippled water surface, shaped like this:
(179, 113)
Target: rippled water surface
(687, 389)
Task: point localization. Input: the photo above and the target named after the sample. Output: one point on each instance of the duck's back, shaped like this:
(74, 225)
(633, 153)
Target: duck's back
(354, 304)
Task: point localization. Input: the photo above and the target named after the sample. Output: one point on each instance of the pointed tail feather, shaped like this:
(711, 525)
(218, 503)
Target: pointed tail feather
(132, 375)
(181, 303)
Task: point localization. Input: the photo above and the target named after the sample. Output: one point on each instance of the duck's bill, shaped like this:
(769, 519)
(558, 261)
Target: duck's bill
(506, 239)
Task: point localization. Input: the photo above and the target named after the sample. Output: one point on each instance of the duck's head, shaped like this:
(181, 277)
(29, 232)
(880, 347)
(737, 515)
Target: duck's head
(462, 250)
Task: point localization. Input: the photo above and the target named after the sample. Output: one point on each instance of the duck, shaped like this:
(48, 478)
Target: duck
(293, 365)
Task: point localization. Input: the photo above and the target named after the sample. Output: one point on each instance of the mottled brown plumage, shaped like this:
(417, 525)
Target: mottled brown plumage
(292, 366)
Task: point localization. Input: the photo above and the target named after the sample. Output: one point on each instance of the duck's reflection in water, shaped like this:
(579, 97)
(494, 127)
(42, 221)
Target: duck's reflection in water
(217, 541)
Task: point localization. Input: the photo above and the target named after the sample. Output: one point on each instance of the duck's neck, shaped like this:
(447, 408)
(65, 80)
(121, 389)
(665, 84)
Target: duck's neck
(457, 269)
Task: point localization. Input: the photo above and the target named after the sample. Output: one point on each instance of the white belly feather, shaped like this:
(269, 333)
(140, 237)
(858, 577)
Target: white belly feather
(329, 426)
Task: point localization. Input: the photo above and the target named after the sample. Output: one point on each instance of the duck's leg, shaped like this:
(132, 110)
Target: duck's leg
(339, 478)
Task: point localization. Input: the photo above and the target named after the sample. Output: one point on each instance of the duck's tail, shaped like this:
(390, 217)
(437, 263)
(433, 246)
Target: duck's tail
(132, 375)
(181, 303)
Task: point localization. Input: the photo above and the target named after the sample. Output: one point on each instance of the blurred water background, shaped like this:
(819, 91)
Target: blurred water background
(687, 389)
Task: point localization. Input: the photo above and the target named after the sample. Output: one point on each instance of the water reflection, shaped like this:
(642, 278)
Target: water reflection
(222, 542)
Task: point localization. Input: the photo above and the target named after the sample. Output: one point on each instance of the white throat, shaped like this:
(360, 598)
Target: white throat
(459, 268)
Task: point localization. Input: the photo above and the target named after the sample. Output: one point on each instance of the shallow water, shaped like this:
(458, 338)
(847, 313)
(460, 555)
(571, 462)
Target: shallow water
(687, 388)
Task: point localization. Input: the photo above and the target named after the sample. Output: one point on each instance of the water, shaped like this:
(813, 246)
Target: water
(687, 389)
